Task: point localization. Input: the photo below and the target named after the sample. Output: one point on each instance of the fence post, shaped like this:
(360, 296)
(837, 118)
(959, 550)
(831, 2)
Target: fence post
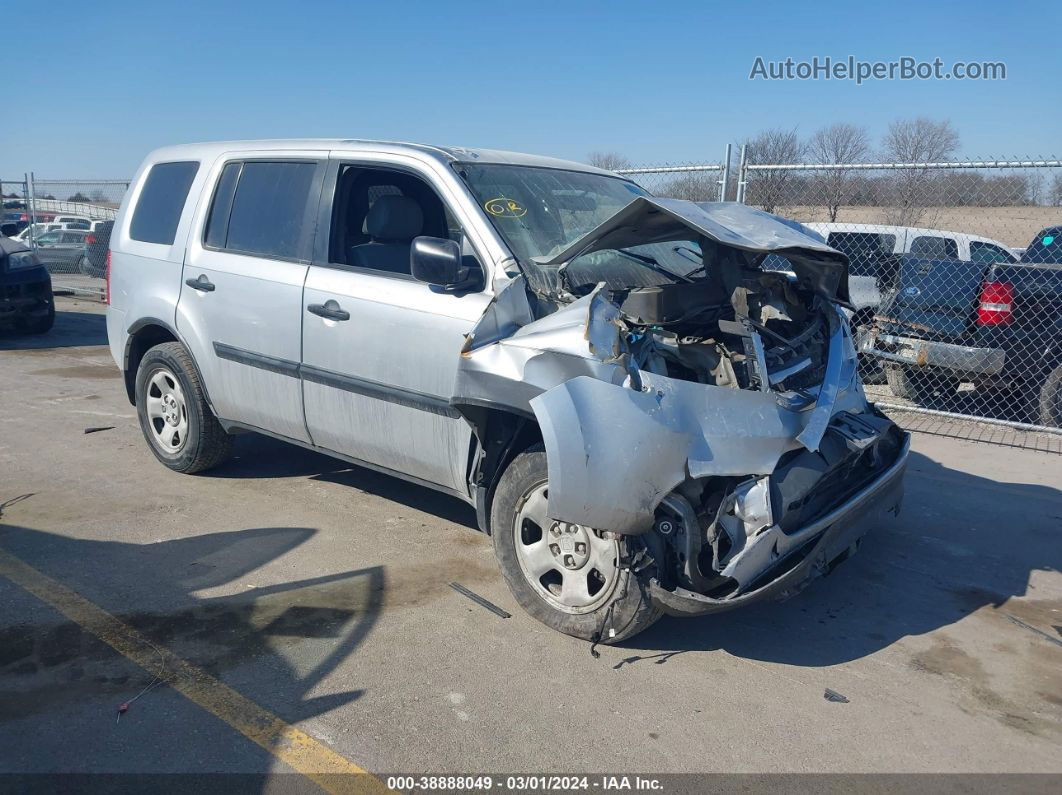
(726, 174)
(743, 173)
(30, 205)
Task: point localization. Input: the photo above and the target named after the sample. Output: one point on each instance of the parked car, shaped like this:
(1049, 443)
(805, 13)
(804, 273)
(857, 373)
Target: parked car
(872, 250)
(80, 221)
(12, 228)
(997, 324)
(44, 227)
(61, 250)
(641, 430)
(26, 302)
(97, 242)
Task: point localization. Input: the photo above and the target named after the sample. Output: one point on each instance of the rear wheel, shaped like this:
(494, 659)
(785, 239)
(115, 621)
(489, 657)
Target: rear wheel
(567, 576)
(1051, 399)
(175, 417)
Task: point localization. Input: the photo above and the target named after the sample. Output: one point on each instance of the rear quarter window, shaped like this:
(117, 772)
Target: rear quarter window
(158, 210)
(935, 247)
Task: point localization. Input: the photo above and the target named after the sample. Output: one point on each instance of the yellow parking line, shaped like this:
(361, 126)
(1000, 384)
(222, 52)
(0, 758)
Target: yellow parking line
(332, 772)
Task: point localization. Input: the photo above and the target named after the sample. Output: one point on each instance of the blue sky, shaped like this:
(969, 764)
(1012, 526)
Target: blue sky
(665, 81)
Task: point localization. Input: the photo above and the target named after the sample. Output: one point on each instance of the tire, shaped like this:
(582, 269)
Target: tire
(871, 371)
(1050, 399)
(922, 386)
(618, 610)
(170, 404)
(84, 267)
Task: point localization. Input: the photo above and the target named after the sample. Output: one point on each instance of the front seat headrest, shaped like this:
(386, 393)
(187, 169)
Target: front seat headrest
(394, 218)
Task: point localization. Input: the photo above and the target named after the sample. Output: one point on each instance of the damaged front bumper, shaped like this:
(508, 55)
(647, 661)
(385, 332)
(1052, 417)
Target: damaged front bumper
(799, 556)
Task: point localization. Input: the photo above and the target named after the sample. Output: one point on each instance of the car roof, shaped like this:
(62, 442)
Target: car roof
(837, 226)
(445, 154)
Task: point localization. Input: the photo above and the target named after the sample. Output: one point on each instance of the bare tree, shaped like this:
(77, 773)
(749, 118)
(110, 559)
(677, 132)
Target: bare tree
(695, 187)
(838, 144)
(1055, 194)
(774, 147)
(610, 161)
(918, 140)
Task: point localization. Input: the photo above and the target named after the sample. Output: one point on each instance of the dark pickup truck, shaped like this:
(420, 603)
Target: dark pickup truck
(944, 322)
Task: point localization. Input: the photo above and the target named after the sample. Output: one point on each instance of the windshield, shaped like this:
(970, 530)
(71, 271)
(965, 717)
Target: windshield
(541, 211)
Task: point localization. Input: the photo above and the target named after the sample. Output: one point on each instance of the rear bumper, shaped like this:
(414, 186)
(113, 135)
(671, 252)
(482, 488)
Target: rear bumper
(829, 540)
(926, 353)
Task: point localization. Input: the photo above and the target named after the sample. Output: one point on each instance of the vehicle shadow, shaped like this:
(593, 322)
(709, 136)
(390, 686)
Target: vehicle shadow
(258, 456)
(961, 543)
(71, 330)
(278, 641)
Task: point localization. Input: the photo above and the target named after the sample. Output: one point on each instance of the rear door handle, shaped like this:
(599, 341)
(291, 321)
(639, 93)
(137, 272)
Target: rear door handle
(330, 310)
(200, 283)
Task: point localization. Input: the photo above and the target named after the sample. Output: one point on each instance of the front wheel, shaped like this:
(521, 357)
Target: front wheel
(176, 419)
(569, 577)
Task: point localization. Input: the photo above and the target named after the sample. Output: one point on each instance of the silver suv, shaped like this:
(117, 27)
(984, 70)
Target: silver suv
(652, 404)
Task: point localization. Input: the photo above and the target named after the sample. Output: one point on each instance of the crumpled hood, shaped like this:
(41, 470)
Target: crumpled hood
(658, 220)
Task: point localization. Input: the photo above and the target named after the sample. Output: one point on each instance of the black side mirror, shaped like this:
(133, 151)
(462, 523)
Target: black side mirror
(437, 260)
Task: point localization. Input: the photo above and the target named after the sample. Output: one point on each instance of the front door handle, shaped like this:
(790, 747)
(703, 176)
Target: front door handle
(330, 310)
(201, 283)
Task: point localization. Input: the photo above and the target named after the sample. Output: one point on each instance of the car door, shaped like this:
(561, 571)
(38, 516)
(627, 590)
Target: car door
(240, 307)
(380, 349)
(70, 249)
(47, 246)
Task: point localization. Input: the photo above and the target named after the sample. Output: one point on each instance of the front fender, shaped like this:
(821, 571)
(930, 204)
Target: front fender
(614, 453)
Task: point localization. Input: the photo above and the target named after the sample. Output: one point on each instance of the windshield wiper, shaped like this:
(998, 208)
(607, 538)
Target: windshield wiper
(652, 264)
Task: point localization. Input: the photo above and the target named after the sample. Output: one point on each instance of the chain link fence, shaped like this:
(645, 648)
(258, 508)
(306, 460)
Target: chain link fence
(955, 278)
(68, 223)
(955, 275)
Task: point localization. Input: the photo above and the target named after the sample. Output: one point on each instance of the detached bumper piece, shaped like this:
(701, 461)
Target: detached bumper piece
(824, 503)
(927, 353)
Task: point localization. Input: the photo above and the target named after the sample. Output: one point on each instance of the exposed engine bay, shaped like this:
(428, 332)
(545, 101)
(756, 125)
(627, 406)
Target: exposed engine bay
(714, 412)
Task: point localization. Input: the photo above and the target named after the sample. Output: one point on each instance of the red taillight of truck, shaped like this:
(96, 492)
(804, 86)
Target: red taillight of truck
(996, 306)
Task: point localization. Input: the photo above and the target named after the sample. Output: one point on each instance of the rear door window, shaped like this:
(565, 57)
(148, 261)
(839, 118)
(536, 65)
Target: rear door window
(988, 254)
(865, 250)
(935, 247)
(158, 210)
(261, 208)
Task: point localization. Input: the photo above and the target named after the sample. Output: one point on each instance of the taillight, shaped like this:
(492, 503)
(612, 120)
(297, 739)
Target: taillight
(107, 272)
(90, 240)
(995, 308)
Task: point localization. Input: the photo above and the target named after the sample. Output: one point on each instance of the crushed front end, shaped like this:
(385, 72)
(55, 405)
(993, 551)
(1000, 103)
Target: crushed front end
(715, 414)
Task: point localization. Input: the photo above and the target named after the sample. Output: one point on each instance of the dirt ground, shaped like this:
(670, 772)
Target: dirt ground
(320, 592)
